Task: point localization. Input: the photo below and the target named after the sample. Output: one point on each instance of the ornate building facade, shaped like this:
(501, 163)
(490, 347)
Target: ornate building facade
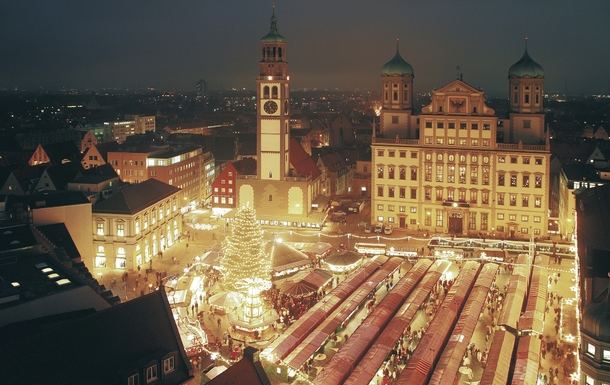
(457, 167)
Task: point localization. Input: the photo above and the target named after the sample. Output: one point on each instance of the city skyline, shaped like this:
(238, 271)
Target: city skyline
(331, 45)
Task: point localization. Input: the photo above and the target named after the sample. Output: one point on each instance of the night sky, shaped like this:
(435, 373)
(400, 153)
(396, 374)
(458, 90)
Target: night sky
(339, 44)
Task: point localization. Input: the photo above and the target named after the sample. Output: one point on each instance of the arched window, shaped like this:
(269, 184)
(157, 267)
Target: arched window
(274, 52)
(395, 95)
(266, 92)
(263, 53)
(279, 52)
(274, 92)
(270, 197)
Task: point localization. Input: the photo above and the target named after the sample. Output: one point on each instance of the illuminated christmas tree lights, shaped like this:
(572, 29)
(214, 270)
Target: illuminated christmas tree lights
(244, 252)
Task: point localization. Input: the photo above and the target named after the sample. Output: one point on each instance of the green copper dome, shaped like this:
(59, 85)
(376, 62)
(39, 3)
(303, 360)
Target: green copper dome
(526, 67)
(273, 36)
(397, 66)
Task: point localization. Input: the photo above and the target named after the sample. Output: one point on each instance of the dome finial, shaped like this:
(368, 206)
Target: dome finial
(397, 66)
(397, 44)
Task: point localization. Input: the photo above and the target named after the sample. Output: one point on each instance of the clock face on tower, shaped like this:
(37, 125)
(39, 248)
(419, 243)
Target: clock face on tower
(270, 107)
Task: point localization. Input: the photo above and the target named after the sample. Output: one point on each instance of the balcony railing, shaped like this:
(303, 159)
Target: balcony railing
(521, 146)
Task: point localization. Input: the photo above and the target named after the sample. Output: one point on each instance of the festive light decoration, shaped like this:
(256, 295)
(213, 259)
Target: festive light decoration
(253, 305)
(244, 252)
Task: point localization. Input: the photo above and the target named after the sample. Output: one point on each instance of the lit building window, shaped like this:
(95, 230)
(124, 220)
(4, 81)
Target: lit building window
(100, 228)
(439, 218)
(472, 221)
(428, 219)
(151, 374)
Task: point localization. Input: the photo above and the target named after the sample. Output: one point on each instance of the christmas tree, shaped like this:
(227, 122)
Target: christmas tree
(244, 255)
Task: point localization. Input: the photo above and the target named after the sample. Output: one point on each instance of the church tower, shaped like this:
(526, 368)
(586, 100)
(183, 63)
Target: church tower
(396, 96)
(273, 103)
(526, 92)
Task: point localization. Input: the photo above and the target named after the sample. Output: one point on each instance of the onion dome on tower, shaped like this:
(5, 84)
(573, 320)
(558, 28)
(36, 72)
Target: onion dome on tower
(526, 90)
(273, 36)
(397, 85)
(397, 66)
(526, 67)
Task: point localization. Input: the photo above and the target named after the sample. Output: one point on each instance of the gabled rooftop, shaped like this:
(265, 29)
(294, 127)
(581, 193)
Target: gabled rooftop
(135, 198)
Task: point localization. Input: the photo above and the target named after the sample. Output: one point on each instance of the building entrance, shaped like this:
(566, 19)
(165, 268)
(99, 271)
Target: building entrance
(455, 223)
(402, 222)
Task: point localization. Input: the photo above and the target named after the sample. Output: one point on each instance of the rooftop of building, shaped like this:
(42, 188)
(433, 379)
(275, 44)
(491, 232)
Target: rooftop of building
(582, 172)
(101, 348)
(526, 67)
(59, 236)
(135, 198)
(175, 151)
(248, 370)
(16, 238)
(397, 66)
(29, 275)
(59, 152)
(47, 199)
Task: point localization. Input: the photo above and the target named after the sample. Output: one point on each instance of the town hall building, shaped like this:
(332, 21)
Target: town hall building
(457, 167)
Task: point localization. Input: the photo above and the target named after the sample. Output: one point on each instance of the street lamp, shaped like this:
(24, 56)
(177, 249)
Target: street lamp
(348, 235)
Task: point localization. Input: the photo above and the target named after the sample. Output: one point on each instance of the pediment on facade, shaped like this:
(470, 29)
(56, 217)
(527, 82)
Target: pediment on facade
(459, 98)
(458, 86)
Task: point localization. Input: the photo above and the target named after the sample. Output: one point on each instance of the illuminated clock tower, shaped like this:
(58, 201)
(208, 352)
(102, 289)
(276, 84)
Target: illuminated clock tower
(273, 103)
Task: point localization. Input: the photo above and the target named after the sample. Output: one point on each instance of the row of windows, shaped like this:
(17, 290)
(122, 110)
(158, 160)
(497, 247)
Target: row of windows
(460, 174)
(525, 180)
(526, 98)
(100, 225)
(461, 141)
(459, 195)
(500, 216)
(591, 349)
(392, 153)
(437, 219)
(513, 159)
(462, 126)
(273, 92)
(166, 239)
(224, 200)
(152, 372)
(223, 190)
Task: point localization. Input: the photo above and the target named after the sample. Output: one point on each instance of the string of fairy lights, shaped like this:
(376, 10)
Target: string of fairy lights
(510, 246)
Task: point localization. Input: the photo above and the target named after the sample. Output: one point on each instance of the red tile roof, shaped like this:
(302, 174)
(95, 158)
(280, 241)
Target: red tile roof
(301, 161)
